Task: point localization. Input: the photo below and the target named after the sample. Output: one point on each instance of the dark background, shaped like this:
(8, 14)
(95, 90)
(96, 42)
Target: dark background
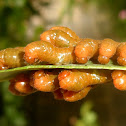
(22, 21)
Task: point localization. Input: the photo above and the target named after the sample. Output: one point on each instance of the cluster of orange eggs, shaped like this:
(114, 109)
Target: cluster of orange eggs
(70, 85)
(59, 46)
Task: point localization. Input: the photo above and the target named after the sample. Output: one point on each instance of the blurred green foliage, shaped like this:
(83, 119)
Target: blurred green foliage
(87, 116)
(13, 22)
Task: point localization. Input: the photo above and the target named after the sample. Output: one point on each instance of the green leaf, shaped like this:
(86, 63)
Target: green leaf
(10, 73)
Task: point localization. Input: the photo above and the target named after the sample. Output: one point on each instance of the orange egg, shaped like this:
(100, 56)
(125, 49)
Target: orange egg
(45, 81)
(76, 80)
(119, 79)
(85, 50)
(46, 52)
(21, 84)
(72, 96)
(107, 49)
